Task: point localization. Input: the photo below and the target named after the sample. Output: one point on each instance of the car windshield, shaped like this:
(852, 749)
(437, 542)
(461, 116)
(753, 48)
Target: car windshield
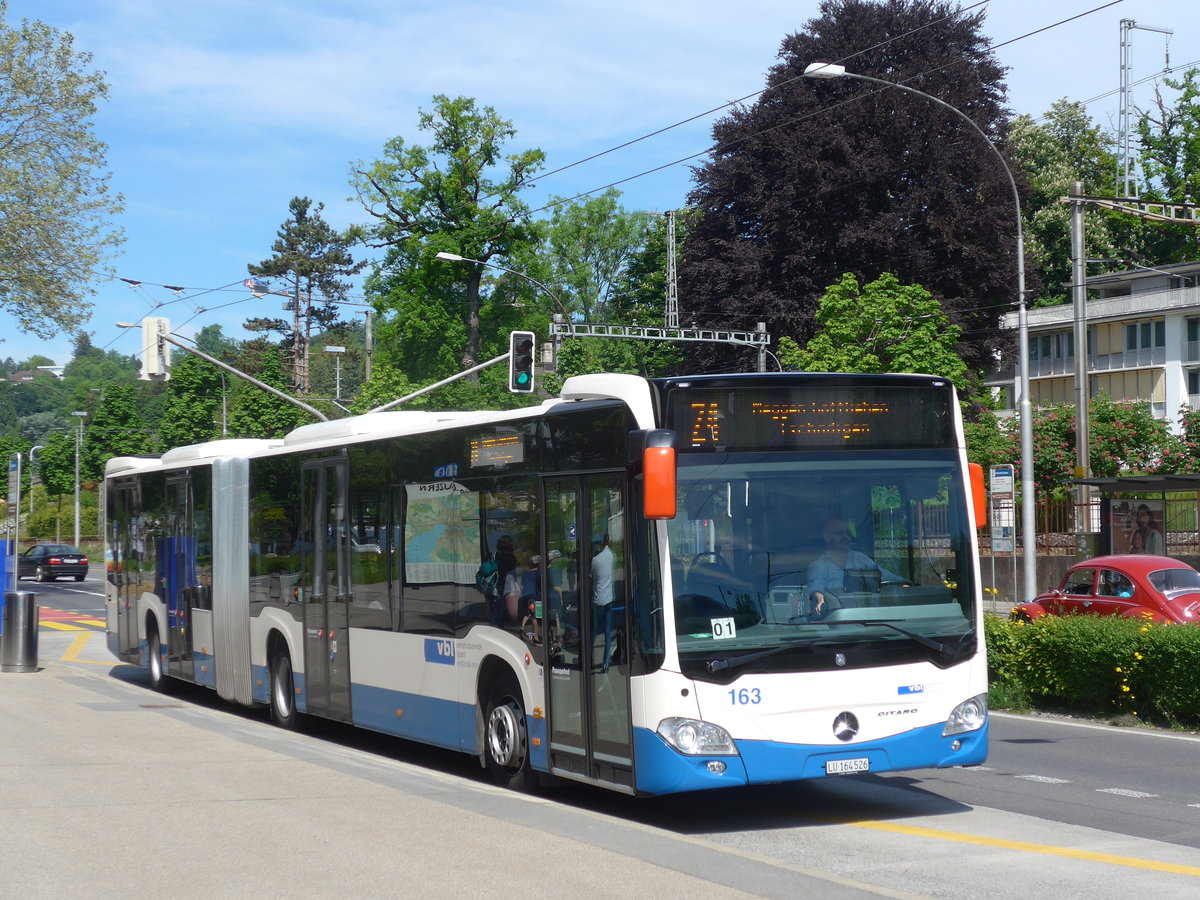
(51, 549)
(1170, 580)
(880, 539)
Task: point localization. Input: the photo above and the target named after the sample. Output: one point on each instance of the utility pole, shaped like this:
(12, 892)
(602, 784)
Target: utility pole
(369, 342)
(1082, 438)
(672, 308)
(1126, 183)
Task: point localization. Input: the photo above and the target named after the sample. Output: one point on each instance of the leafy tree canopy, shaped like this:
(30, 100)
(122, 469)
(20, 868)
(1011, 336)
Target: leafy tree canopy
(193, 403)
(1169, 136)
(882, 327)
(255, 413)
(55, 204)
(590, 242)
(1065, 148)
(459, 194)
(818, 178)
(116, 429)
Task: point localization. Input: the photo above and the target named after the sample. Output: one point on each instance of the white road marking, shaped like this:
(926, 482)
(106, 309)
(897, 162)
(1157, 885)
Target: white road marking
(1122, 792)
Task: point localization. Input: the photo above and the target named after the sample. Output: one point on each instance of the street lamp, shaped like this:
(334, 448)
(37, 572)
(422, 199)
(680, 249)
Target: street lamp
(1028, 517)
(337, 368)
(78, 441)
(454, 257)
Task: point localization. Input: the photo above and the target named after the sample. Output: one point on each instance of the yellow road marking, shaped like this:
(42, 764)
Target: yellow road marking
(63, 626)
(77, 647)
(1067, 852)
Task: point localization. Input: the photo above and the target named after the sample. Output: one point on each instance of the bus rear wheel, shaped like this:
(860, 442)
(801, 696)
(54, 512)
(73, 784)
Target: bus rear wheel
(506, 739)
(283, 694)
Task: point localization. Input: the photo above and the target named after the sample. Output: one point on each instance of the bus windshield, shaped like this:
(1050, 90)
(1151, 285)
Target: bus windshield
(790, 561)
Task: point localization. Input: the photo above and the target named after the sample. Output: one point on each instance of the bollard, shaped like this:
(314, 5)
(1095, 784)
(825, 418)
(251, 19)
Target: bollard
(18, 642)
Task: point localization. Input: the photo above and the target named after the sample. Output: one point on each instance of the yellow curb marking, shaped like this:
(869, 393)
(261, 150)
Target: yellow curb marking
(1110, 859)
(77, 647)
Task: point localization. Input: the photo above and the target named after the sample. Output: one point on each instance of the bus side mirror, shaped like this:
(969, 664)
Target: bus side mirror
(978, 494)
(657, 462)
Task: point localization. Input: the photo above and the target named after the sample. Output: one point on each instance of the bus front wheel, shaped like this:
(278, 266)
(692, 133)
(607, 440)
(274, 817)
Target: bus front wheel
(283, 694)
(506, 739)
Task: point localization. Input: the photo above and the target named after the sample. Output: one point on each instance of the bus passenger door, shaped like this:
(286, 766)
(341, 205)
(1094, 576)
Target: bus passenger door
(179, 576)
(326, 580)
(587, 661)
(121, 568)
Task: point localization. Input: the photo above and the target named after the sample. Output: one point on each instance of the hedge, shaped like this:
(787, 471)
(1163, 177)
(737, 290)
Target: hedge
(1097, 665)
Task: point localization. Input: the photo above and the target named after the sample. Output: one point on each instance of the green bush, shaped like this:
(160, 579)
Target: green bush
(1097, 665)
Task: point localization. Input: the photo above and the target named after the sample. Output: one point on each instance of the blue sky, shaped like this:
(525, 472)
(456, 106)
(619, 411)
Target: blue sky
(221, 111)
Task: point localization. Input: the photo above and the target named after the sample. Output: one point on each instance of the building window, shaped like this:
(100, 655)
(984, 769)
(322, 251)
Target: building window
(1146, 335)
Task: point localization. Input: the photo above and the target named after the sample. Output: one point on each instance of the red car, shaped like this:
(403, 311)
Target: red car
(1157, 587)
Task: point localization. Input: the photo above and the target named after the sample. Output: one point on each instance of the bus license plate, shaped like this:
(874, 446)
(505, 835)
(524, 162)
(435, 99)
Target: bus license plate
(846, 766)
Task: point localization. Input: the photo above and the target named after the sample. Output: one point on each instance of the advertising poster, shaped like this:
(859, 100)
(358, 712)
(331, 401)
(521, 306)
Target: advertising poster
(1137, 527)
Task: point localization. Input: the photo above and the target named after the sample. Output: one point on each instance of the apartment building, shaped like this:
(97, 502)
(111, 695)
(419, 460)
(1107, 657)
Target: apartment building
(1143, 329)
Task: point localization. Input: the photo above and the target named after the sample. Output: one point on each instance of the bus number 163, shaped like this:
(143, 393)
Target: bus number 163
(745, 696)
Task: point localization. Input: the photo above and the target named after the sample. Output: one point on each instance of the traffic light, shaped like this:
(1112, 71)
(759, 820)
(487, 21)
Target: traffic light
(520, 362)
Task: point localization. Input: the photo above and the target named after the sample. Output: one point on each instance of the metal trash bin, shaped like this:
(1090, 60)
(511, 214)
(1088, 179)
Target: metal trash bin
(18, 641)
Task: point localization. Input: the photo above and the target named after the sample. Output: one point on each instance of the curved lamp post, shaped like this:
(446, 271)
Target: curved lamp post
(454, 257)
(1028, 519)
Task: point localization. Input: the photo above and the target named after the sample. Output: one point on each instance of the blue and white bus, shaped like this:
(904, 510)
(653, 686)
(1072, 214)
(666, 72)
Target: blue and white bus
(663, 616)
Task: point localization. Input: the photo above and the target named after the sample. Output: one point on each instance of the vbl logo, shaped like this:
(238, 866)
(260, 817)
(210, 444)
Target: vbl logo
(439, 651)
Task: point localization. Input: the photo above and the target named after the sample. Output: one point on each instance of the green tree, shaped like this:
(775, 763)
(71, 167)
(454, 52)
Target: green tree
(56, 464)
(1169, 137)
(1066, 147)
(193, 402)
(55, 203)
(882, 327)
(255, 413)
(458, 194)
(590, 242)
(313, 260)
(117, 429)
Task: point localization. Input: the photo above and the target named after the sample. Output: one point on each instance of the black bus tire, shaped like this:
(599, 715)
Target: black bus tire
(283, 693)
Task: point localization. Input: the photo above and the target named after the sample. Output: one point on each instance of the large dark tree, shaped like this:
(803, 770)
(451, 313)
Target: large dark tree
(823, 177)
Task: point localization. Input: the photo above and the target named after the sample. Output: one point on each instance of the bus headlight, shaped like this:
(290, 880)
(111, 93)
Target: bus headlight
(970, 715)
(696, 738)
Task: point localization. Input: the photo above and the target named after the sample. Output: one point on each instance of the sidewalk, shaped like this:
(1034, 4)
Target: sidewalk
(110, 790)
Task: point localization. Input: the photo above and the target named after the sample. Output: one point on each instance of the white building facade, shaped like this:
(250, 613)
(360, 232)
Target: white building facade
(1143, 328)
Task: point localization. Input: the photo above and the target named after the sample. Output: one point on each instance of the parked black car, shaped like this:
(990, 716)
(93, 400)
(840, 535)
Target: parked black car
(49, 562)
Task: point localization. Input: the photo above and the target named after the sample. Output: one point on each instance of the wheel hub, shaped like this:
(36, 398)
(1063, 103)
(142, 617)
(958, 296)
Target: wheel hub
(505, 736)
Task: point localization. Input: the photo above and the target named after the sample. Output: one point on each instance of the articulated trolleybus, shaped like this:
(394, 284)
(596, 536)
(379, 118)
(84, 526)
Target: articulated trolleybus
(648, 585)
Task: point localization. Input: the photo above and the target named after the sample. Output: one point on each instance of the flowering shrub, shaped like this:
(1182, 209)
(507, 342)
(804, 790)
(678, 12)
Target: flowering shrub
(1097, 665)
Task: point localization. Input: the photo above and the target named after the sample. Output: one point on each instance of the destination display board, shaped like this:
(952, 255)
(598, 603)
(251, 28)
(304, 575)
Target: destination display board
(863, 417)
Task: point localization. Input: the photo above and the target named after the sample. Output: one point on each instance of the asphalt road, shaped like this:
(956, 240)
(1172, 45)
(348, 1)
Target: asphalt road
(1061, 806)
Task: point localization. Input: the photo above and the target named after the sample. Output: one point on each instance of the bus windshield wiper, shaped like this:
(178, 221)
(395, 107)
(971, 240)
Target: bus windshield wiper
(718, 665)
(936, 646)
